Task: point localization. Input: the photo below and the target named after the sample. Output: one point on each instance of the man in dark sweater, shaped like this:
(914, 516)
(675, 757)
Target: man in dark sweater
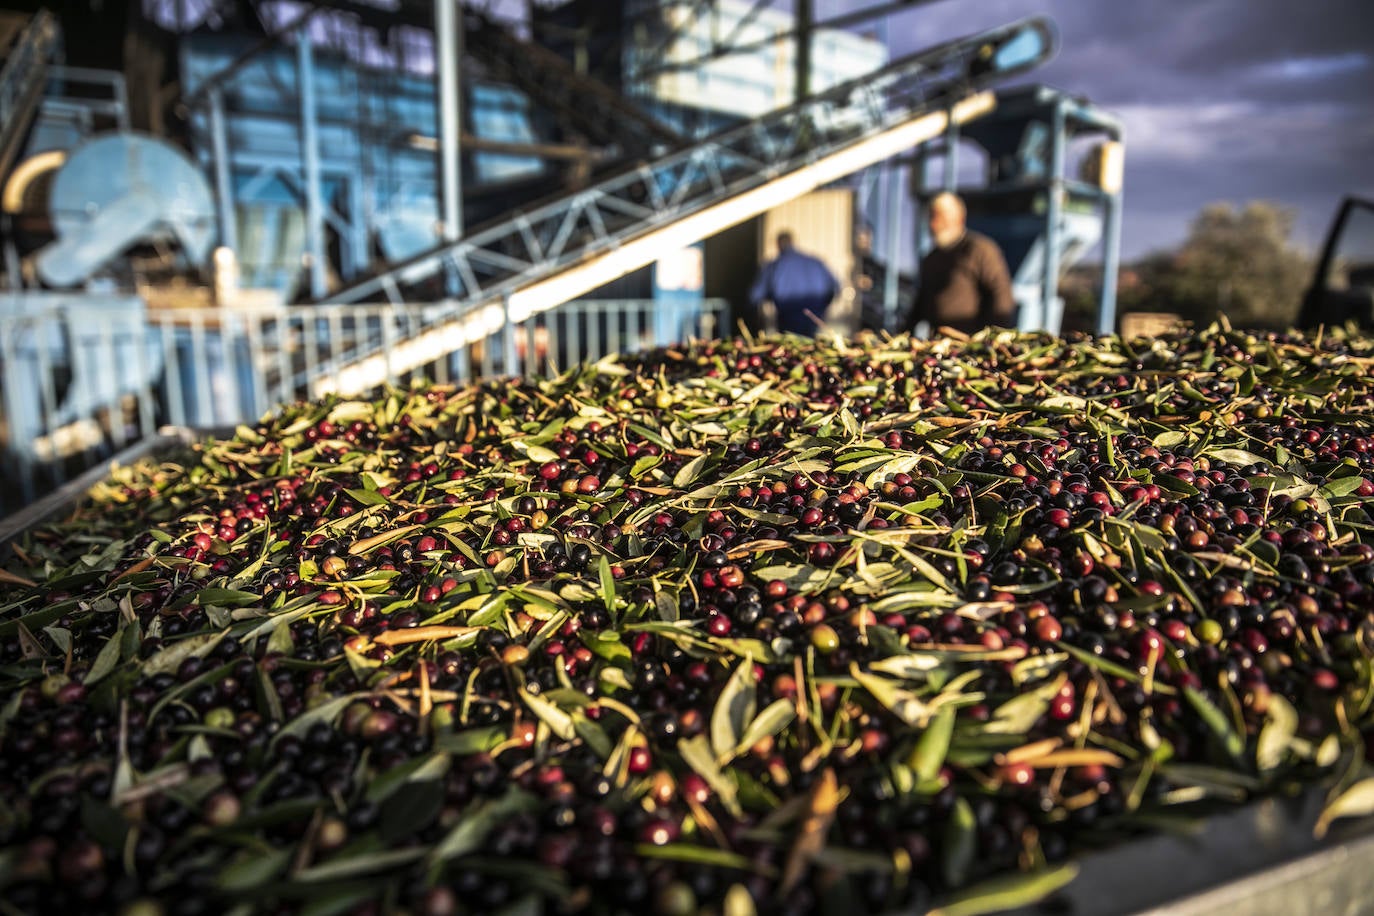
(799, 286)
(964, 283)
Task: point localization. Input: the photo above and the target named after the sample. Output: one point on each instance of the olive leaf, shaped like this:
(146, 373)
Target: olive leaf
(478, 821)
(1356, 801)
(1018, 715)
(558, 721)
(418, 769)
(593, 735)
(471, 741)
(1342, 486)
(960, 843)
(903, 703)
(1237, 457)
(253, 869)
(603, 568)
(822, 804)
(773, 718)
(689, 472)
(692, 854)
(361, 864)
(325, 712)
(908, 667)
(368, 497)
(1217, 721)
(1280, 727)
(170, 658)
(734, 709)
(696, 753)
(411, 808)
(225, 597)
(933, 745)
(1010, 892)
(106, 661)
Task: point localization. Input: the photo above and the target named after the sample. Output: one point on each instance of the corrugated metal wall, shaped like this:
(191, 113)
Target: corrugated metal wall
(822, 224)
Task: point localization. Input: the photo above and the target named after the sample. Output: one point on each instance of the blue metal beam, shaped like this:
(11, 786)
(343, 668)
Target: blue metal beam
(1111, 263)
(1054, 218)
(224, 185)
(310, 149)
(448, 35)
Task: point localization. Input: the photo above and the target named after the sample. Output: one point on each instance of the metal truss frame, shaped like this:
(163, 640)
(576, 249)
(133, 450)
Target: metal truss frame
(499, 260)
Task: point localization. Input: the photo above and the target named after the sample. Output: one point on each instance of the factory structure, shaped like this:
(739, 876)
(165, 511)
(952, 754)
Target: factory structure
(211, 207)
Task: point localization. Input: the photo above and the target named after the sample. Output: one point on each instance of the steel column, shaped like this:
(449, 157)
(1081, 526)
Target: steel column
(805, 17)
(951, 180)
(918, 188)
(224, 183)
(448, 43)
(1111, 263)
(1054, 218)
(359, 220)
(14, 277)
(310, 152)
(508, 356)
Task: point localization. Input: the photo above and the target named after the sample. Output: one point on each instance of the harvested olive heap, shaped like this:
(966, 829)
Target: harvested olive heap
(751, 626)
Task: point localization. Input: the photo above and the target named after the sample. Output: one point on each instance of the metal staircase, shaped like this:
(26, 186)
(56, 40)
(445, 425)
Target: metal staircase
(22, 78)
(507, 271)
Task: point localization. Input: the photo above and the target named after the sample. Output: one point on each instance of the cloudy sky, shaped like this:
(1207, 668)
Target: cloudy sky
(1229, 100)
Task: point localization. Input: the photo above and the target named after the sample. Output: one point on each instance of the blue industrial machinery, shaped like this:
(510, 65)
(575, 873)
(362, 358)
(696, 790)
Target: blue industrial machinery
(265, 122)
(1044, 220)
(117, 190)
(76, 204)
(112, 192)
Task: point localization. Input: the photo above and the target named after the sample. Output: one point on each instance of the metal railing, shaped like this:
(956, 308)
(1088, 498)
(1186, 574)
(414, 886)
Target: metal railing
(80, 382)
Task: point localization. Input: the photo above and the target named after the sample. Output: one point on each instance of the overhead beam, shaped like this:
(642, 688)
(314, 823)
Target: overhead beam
(844, 20)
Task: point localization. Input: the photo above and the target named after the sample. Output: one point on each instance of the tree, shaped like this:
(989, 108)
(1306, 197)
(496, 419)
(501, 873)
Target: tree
(1240, 264)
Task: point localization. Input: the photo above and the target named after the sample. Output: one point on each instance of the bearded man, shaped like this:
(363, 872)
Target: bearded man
(964, 283)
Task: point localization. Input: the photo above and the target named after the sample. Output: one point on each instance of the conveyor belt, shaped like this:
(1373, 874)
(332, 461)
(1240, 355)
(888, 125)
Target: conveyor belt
(537, 259)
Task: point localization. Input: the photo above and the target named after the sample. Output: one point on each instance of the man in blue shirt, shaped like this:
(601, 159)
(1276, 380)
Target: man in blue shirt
(799, 286)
